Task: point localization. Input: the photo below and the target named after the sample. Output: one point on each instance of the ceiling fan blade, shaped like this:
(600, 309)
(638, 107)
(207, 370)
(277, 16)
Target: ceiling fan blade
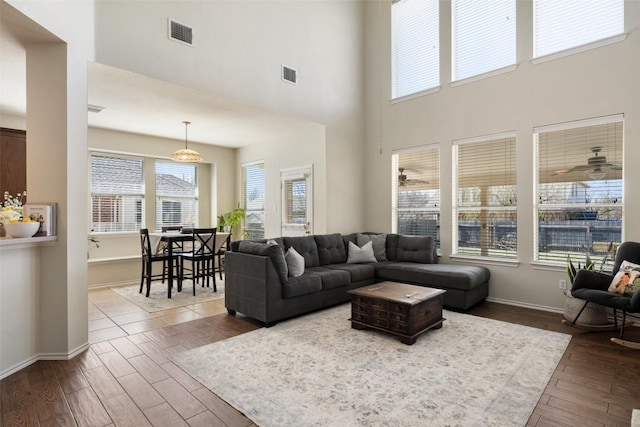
(573, 169)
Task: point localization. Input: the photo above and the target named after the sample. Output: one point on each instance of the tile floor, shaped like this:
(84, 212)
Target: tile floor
(113, 316)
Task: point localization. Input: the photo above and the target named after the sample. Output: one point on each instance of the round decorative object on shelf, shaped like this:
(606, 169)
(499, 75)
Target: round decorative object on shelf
(21, 229)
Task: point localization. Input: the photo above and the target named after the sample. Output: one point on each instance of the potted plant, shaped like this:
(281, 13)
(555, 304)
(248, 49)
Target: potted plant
(230, 220)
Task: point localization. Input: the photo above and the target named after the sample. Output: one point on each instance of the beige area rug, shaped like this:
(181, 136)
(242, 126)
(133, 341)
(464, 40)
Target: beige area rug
(317, 371)
(158, 300)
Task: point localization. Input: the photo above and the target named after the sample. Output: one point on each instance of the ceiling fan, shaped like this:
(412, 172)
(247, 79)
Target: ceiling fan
(403, 181)
(595, 168)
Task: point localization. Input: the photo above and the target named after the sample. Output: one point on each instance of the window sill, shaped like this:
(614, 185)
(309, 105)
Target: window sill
(483, 76)
(514, 263)
(415, 95)
(578, 49)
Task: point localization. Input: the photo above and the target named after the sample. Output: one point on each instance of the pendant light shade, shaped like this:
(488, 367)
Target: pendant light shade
(185, 155)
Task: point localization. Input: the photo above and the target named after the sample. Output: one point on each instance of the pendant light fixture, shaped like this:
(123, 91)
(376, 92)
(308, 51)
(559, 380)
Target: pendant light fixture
(185, 155)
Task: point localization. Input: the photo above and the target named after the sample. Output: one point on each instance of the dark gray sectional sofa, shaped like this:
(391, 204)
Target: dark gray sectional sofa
(258, 285)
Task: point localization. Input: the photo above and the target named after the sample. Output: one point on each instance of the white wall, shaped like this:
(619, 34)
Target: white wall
(595, 83)
(238, 51)
(309, 151)
(58, 39)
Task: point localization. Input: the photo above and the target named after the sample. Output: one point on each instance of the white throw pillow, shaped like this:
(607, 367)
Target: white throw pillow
(361, 254)
(295, 262)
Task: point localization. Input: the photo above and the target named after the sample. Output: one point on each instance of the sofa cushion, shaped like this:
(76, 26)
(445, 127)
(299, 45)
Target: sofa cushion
(295, 262)
(273, 252)
(330, 249)
(379, 244)
(442, 276)
(393, 244)
(392, 247)
(331, 278)
(359, 254)
(415, 249)
(358, 272)
(308, 283)
(305, 246)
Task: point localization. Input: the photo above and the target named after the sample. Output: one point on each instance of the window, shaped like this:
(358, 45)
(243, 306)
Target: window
(253, 199)
(117, 192)
(561, 25)
(485, 189)
(579, 188)
(484, 36)
(295, 200)
(416, 199)
(176, 194)
(415, 33)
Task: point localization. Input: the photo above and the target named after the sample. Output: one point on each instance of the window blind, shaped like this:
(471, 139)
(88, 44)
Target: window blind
(579, 189)
(417, 192)
(176, 194)
(295, 193)
(561, 25)
(486, 201)
(253, 199)
(415, 33)
(117, 193)
(484, 36)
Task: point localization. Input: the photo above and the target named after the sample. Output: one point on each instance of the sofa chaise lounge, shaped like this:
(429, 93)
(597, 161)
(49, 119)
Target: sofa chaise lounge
(258, 282)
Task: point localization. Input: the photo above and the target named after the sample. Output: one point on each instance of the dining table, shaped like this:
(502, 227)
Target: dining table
(172, 239)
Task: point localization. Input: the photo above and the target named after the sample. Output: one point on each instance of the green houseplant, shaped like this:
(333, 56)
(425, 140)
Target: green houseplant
(232, 219)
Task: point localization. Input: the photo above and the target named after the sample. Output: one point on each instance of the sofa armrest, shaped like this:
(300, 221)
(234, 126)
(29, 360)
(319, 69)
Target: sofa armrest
(252, 286)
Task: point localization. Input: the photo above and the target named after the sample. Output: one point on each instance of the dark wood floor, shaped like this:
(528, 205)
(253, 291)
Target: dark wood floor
(129, 381)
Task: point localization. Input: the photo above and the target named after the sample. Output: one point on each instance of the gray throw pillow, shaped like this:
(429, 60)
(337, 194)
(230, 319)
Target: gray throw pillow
(360, 254)
(379, 244)
(295, 263)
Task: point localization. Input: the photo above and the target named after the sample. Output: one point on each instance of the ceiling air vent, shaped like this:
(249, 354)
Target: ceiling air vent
(289, 75)
(180, 32)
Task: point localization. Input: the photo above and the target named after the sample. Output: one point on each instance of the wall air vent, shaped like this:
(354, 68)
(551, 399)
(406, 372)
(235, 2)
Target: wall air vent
(289, 75)
(180, 32)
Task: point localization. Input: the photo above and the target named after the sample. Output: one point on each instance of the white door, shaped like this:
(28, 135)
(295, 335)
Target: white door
(297, 201)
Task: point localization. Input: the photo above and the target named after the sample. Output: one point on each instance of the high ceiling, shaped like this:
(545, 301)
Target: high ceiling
(139, 104)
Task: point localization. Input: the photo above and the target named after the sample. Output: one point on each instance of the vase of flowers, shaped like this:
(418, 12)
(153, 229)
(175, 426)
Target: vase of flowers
(11, 209)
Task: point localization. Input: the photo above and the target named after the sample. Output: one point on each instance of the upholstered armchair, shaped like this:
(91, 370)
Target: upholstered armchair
(593, 287)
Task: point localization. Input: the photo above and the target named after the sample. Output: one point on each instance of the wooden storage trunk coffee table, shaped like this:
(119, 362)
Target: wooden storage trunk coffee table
(403, 310)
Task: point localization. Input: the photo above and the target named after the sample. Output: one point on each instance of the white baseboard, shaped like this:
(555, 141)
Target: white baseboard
(113, 284)
(526, 305)
(43, 356)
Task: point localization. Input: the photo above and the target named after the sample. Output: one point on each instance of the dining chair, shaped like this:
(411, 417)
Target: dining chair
(149, 256)
(177, 246)
(219, 268)
(200, 258)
